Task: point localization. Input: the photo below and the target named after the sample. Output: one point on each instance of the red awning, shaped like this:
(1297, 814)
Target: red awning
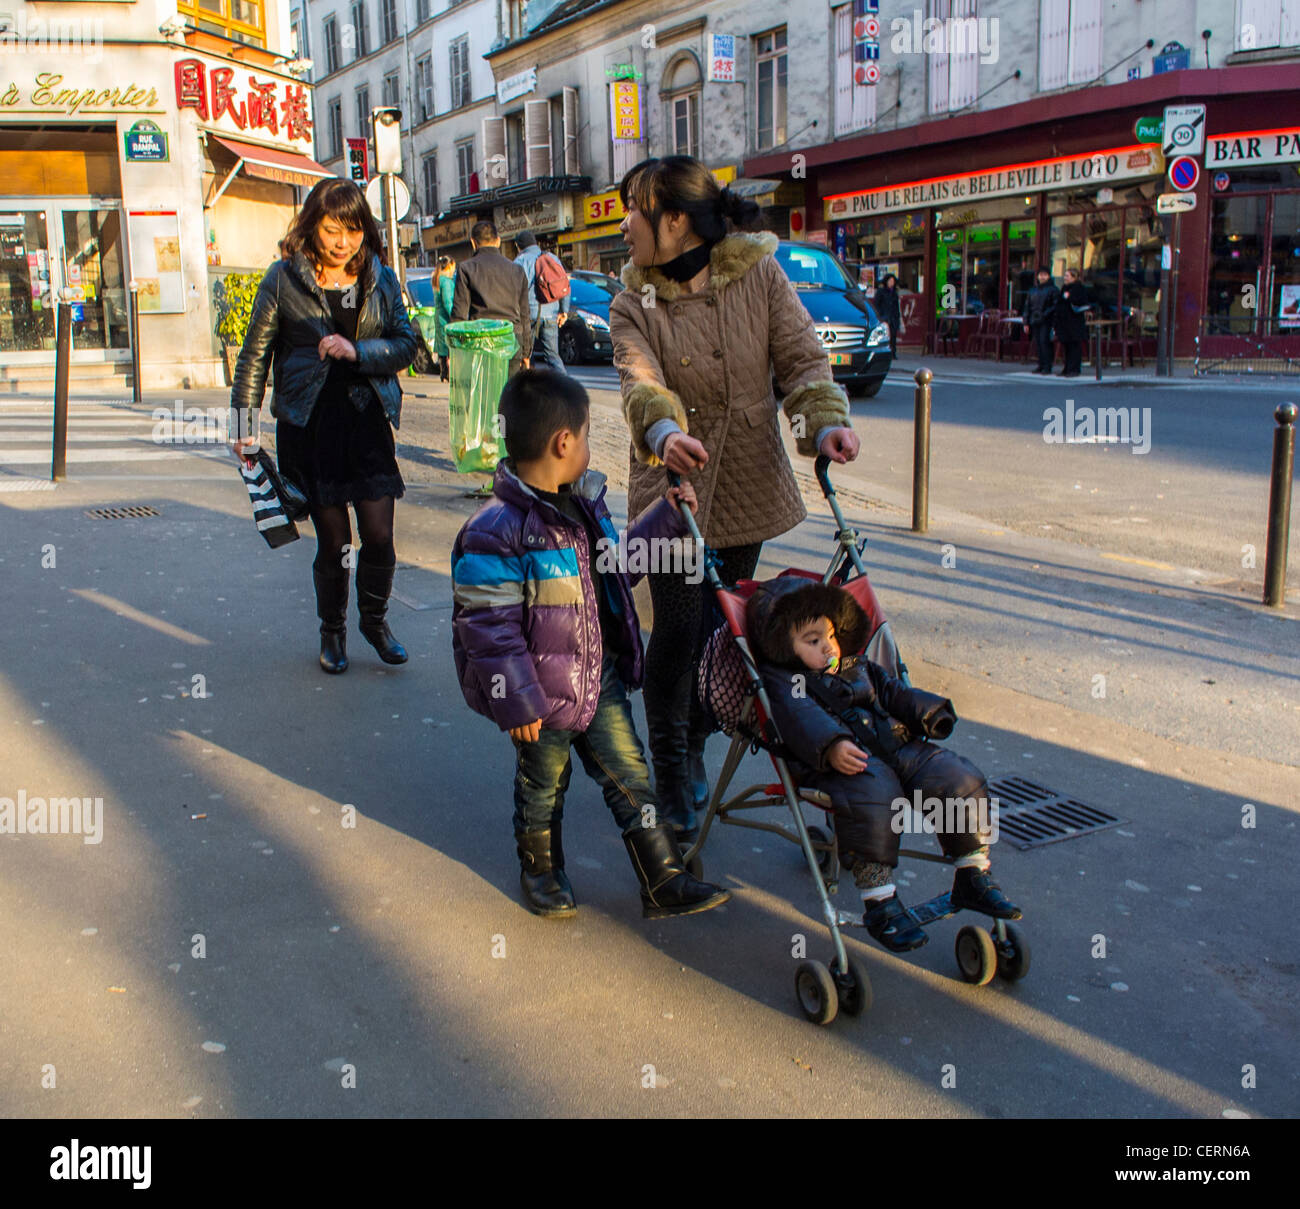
(284, 167)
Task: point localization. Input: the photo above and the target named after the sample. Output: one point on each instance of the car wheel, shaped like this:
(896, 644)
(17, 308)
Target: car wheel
(570, 353)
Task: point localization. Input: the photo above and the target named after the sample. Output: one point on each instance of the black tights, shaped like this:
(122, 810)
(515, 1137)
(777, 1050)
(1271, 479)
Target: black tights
(374, 524)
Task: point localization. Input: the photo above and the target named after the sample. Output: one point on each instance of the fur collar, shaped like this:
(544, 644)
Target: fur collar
(732, 257)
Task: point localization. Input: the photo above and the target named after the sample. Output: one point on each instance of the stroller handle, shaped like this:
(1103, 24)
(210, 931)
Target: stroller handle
(822, 469)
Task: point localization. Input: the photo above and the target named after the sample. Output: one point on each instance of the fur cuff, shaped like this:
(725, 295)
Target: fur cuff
(642, 406)
(821, 405)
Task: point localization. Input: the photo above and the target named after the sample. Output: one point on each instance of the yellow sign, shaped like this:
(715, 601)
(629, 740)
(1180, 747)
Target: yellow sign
(625, 102)
(603, 207)
(606, 232)
(724, 176)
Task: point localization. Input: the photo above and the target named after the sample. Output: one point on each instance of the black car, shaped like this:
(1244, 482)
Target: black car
(854, 337)
(584, 336)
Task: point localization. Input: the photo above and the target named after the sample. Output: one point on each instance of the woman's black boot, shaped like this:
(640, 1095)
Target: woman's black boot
(666, 887)
(332, 609)
(541, 872)
(374, 586)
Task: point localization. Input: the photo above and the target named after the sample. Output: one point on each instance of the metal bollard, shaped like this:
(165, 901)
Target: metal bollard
(62, 358)
(921, 454)
(1096, 359)
(1279, 506)
(133, 318)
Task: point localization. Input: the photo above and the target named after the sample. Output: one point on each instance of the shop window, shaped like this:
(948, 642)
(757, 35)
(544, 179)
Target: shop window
(954, 70)
(335, 123)
(465, 166)
(1022, 263)
(363, 111)
(429, 179)
(332, 60)
(424, 87)
(1265, 23)
(459, 74)
(1283, 293)
(1069, 42)
(239, 20)
(1238, 230)
(770, 87)
(855, 104)
(1102, 256)
(1143, 241)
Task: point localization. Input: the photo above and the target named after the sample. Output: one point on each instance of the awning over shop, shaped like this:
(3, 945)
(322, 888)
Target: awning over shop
(268, 164)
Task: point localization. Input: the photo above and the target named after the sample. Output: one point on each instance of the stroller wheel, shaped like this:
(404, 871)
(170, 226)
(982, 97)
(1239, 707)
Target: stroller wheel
(977, 957)
(815, 988)
(1013, 960)
(825, 857)
(853, 988)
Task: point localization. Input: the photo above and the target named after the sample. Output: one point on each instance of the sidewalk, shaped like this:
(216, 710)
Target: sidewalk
(242, 962)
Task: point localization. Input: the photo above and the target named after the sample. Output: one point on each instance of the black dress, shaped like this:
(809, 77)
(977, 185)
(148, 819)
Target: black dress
(345, 453)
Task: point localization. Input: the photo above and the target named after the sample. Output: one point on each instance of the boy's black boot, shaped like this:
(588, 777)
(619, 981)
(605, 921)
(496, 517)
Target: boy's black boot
(541, 872)
(332, 609)
(666, 887)
(973, 890)
(888, 922)
(374, 586)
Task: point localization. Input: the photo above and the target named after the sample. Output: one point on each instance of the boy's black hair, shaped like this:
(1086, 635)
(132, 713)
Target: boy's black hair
(535, 405)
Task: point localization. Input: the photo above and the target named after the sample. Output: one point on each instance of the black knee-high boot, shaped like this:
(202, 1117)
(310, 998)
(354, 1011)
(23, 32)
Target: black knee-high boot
(332, 609)
(374, 586)
(667, 729)
(666, 887)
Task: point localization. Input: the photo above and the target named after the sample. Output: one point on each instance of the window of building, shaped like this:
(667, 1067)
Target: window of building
(460, 85)
(335, 124)
(1069, 42)
(681, 93)
(421, 11)
(332, 60)
(515, 11)
(361, 44)
(363, 111)
(424, 87)
(387, 20)
(239, 20)
(1265, 23)
(429, 179)
(770, 87)
(557, 135)
(464, 166)
(393, 89)
(954, 69)
(515, 160)
(855, 104)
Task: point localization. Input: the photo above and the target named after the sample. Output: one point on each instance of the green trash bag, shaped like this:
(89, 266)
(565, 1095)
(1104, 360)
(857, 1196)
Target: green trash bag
(480, 352)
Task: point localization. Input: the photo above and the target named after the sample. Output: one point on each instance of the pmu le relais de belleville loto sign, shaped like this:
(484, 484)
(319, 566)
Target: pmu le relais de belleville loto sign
(1064, 172)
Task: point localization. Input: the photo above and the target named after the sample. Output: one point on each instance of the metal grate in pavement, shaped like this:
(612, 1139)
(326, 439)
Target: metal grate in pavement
(1031, 815)
(126, 512)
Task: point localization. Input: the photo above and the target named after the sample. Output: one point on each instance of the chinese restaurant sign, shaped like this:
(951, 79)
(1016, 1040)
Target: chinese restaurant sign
(235, 101)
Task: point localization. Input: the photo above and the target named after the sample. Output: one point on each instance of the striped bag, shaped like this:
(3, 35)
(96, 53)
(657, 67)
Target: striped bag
(274, 505)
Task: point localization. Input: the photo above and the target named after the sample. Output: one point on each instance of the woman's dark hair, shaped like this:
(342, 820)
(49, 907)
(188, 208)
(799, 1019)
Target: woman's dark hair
(680, 184)
(343, 201)
(445, 262)
(890, 277)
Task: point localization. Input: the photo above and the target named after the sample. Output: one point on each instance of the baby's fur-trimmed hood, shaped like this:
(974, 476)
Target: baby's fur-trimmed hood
(731, 258)
(778, 604)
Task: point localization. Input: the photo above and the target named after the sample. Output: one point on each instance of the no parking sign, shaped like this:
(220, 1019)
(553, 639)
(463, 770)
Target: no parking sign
(1184, 172)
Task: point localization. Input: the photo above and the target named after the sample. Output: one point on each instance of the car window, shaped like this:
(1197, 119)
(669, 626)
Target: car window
(587, 292)
(812, 266)
(421, 290)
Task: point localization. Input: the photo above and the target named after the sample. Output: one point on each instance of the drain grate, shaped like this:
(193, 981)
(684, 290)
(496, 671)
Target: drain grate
(1031, 815)
(127, 512)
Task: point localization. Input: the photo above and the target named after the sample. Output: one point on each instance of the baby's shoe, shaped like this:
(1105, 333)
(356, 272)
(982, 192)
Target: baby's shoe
(975, 890)
(888, 922)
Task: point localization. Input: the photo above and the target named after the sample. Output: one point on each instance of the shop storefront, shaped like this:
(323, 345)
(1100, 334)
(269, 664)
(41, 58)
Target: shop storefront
(154, 163)
(449, 238)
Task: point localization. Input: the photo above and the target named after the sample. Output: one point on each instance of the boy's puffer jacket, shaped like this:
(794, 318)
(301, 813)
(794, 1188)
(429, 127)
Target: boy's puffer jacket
(525, 623)
(290, 318)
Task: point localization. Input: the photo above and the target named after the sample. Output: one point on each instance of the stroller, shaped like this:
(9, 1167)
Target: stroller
(731, 691)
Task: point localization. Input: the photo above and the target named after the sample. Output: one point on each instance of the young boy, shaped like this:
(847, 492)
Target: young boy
(547, 643)
(827, 709)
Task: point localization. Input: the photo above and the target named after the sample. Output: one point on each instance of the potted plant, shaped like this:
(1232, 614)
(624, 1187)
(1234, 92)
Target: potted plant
(234, 296)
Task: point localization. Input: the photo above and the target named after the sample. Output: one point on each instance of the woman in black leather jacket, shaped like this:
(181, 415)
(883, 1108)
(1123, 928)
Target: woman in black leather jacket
(329, 322)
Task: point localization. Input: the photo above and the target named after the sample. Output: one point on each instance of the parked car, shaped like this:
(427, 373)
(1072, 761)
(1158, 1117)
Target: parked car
(854, 337)
(584, 336)
(420, 284)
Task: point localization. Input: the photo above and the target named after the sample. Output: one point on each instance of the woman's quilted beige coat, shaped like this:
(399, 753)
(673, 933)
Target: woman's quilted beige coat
(706, 360)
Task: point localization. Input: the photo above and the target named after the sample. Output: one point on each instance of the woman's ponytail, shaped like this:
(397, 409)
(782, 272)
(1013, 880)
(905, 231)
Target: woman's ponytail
(743, 212)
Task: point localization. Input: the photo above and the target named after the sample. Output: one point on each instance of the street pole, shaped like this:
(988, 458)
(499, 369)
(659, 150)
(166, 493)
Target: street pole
(396, 260)
(1279, 506)
(62, 357)
(133, 317)
(921, 453)
(1170, 340)
(1162, 333)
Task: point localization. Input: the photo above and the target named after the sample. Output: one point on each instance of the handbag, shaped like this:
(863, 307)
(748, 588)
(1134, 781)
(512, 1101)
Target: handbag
(275, 504)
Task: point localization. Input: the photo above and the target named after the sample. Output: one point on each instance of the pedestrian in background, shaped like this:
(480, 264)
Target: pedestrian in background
(334, 431)
(488, 286)
(1041, 305)
(1071, 324)
(547, 314)
(444, 299)
(888, 309)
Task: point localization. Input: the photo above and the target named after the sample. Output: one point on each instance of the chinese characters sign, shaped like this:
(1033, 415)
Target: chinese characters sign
(625, 103)
(722, 58)
(235, 98)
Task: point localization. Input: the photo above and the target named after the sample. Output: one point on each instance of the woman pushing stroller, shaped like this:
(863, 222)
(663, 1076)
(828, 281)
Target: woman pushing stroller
(863, 737)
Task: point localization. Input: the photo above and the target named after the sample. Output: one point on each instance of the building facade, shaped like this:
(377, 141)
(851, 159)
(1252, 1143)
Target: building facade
(164, 144)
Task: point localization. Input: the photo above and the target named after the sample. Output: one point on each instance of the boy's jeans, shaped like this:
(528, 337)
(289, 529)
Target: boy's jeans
(610, 751)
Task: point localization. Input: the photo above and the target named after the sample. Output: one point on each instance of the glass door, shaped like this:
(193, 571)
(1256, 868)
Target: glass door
(1237, 246)
(1282, 314)
(1022, 262)
(91, 247)
(26, 297)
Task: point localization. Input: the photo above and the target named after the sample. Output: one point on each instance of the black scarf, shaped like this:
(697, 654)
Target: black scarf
(688, 264)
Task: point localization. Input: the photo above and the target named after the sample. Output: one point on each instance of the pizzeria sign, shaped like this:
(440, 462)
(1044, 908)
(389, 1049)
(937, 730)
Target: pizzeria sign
(1064, 172)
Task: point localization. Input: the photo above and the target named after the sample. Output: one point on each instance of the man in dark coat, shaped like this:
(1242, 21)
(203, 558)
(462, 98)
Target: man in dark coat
(488, 286)
(887, 307)
(1040, 312)
(1071, 325)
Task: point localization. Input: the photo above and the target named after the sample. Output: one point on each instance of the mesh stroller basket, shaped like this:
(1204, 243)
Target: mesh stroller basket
(722, 681)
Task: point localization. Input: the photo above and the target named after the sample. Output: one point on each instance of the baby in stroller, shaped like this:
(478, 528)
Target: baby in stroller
(863, 737)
